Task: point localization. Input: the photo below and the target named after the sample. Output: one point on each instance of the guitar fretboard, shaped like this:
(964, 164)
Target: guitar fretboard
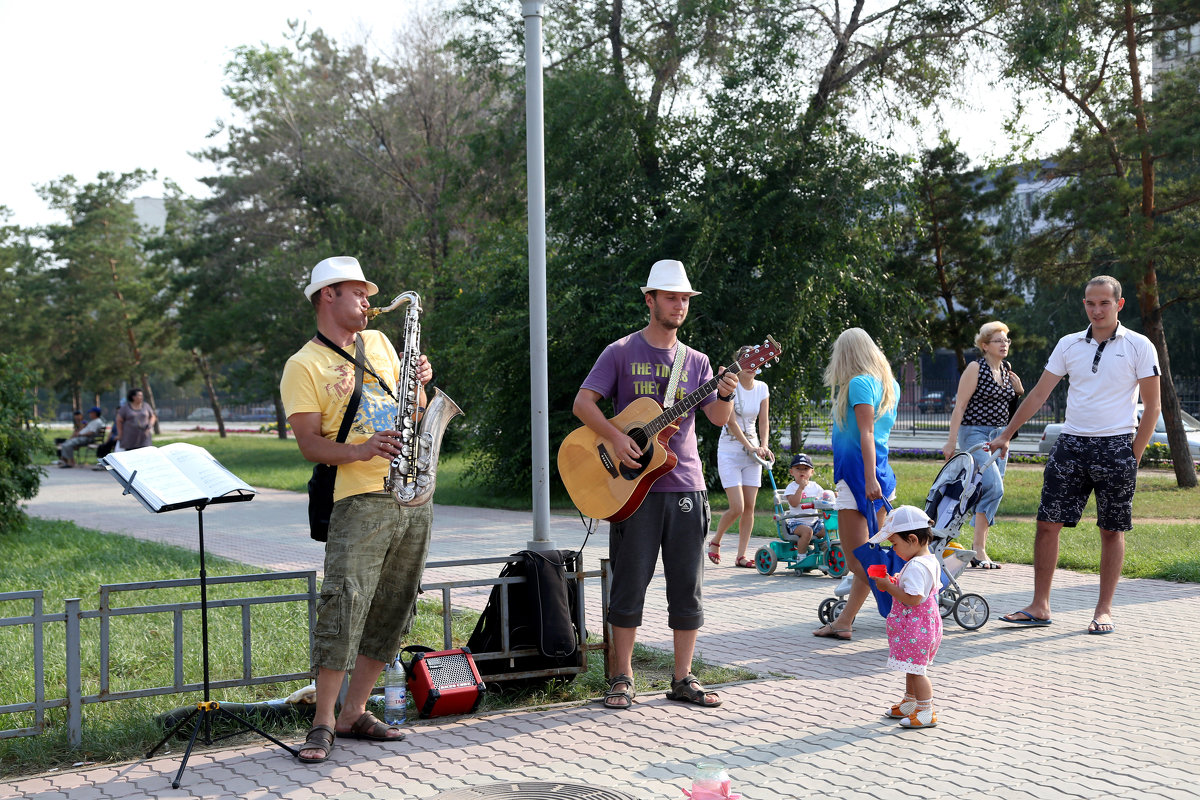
(687, 403)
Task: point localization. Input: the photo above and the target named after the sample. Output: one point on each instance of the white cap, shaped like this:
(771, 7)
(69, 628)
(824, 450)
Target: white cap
(902, 518)
(668, 276)
(335, 270)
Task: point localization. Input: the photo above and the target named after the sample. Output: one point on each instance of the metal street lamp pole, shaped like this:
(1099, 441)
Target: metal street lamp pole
(538, 354)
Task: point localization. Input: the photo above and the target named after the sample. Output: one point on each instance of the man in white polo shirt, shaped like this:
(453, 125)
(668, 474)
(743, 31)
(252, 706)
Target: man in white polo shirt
(1099, 448)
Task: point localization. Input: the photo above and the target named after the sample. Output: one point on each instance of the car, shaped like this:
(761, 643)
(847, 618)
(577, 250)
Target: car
(260, 414)
(935, 403)
(202, 413)
(1191, 429)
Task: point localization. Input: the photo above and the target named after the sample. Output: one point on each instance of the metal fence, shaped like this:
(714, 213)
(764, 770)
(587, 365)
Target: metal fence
(575, 581)
(73, 617)
(928, 405)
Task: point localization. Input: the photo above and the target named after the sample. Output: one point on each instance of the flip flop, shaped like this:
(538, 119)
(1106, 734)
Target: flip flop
(1030, 620)
(319, 738)
(984, 564)
(1100, 628)
(368, 726)
(831, 632)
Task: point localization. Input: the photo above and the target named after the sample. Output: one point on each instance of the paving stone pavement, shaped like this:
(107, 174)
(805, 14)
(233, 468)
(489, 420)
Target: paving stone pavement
(1025, 713)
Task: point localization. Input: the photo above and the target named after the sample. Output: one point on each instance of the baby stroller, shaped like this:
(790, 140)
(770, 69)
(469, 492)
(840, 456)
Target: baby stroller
(951, 501)
(823, 553)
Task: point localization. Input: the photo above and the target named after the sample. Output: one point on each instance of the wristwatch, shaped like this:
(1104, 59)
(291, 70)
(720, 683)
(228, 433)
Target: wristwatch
(725, 397)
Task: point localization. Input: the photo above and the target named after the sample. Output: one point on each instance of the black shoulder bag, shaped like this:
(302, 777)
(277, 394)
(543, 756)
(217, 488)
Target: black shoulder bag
(320, 485)
(1015, 402)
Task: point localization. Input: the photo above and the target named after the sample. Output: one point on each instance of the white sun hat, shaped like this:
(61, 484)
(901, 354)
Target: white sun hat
(668, 276)
(902, 518)
(335, 270)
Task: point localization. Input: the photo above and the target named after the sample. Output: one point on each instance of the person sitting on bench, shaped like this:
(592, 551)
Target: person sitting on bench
(86, 435)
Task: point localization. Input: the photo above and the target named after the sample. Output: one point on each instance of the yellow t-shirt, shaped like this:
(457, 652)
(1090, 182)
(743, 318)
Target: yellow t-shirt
(317, 379)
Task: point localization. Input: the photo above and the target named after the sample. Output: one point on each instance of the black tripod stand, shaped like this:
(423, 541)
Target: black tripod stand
(207, 709)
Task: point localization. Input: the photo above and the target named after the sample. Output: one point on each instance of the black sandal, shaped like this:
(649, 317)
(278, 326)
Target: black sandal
(689, 690)
(319, 738)
(627, 694)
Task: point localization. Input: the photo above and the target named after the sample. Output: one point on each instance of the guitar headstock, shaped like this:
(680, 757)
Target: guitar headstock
(757, 356)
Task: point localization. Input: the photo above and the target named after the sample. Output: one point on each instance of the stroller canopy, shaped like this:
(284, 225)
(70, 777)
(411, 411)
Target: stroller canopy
(955, 493)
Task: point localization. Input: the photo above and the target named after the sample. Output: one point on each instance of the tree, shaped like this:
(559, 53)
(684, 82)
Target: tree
(107, 294)
(952, 253)
(337, 152)
(703, 131)
(20, 440)
(1133, 191)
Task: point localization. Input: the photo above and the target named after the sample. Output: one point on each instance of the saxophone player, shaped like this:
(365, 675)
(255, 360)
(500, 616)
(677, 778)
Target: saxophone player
(376, 548)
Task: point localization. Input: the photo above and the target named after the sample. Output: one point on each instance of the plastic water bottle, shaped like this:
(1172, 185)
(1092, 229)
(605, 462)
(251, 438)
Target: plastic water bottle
(395, 693)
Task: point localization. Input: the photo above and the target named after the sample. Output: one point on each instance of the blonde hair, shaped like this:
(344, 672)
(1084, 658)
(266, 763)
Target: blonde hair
(855, 353)
(987, 330)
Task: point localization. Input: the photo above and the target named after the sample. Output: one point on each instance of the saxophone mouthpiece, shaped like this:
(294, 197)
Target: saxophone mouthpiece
(404, 297)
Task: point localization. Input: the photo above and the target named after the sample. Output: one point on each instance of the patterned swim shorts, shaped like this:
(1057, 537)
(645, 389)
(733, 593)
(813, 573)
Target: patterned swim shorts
(1078, 466)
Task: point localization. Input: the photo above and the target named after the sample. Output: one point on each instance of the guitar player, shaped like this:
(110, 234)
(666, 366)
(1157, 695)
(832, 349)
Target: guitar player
(674, 517)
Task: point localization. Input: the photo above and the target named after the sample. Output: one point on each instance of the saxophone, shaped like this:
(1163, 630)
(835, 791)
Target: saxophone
(413, 472)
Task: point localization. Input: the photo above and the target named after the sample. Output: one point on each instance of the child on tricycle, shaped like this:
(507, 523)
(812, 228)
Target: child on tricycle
(802, 488)
(806, 522)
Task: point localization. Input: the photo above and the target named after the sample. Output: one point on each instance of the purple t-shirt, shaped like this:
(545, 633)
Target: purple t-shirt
(630, 368)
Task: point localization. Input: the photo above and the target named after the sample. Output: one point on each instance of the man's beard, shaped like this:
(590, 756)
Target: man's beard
(665, 320)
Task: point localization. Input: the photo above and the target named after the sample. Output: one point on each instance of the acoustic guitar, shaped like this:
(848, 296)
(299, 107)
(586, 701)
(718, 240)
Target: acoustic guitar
(600, 485)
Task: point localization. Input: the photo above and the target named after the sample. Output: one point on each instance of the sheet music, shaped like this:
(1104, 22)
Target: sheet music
(178, 473)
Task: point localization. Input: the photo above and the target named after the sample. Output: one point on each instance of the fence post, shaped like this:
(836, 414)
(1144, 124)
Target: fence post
(74, 680)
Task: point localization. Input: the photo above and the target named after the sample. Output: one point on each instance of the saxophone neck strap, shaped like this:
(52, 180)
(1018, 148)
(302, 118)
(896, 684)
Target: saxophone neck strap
(356, 396)
(359, 365)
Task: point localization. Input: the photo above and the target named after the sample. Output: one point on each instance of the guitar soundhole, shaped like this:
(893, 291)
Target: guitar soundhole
(642, 441)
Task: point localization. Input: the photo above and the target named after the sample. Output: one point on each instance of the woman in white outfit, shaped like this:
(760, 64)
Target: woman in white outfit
(747, 432)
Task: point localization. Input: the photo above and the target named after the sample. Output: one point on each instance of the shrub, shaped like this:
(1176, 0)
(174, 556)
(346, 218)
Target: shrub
(20, 440)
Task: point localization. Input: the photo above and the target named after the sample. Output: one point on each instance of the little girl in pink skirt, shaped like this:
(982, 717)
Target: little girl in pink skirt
(914, 625)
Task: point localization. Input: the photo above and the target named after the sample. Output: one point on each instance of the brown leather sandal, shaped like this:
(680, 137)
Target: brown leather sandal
(320, 737)
(368, 726)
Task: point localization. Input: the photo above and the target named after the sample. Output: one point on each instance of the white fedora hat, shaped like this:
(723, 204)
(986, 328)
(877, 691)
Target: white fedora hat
(668, 276)
(335, 270)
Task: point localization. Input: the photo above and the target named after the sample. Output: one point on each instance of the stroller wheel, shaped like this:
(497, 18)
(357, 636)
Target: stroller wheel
(825, 610)
(971, 611)
(836, 610)
(947, 600)
(765, 561)
(836, 561)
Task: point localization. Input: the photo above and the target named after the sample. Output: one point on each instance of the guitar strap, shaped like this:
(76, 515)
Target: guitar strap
(676, 373)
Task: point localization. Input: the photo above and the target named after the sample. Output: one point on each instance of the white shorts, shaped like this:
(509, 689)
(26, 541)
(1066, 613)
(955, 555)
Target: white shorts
(845, 498)
(736, 468)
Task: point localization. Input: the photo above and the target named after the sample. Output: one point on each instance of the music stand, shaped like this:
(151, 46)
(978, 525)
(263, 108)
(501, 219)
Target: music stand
(207, 708)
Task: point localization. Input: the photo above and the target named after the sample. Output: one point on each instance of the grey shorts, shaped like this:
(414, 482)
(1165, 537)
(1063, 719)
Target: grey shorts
(373, 564)
(1079, 465)
(674, 523)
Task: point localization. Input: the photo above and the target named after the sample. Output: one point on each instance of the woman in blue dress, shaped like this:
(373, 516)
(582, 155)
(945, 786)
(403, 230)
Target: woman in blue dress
(864, 410)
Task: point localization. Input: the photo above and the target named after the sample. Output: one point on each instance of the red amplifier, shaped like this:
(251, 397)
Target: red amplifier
(443, 682)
